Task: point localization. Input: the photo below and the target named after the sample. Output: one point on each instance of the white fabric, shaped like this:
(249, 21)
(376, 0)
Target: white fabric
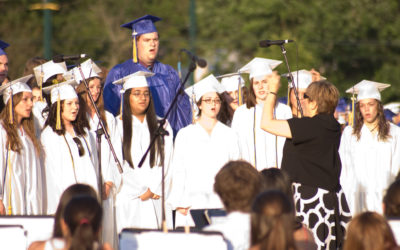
(231, 83)
(198, 157)
(134, 80)
(26, 176)
(204, 86)
(40, 118)
(368, 167)
(171, 241)
(49, 69)
(236, 229)
(395, 226)
(54, 244)
(110, 173)
(13, 237)
(59, 168)
(89, 69)
(65, 92)
(15, 87)
(269, 148)
(131, 211)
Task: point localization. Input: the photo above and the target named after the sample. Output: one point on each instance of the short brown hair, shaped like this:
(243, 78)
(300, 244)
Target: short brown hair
(368, 231)
(237, 184)
(325, 94)
(392, 200)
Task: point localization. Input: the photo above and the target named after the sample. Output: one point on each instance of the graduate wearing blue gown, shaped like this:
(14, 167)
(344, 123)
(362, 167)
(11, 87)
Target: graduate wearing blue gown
(163, 85)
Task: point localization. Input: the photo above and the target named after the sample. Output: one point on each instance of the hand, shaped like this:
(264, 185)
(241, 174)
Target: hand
(183, 210)
(2, 208)
(155, 197)
(274, 82)
(316, 76)
(107, 189)
(147, 195)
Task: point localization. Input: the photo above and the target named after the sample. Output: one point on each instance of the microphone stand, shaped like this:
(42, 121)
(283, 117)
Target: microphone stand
(104, 131)
(160, 131)
(292, 81)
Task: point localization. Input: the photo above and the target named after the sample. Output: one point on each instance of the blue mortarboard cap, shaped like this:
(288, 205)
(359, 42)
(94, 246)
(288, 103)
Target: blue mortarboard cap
(142, 25)
(389, 114)
(3, 45)
(342, 105)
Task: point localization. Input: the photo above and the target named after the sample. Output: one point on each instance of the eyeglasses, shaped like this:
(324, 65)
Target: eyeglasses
(305, 96)
(78, 143)
(138, 94)
(209, 101)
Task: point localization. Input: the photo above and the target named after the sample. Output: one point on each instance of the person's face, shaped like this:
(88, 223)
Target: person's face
(95, 88)
(24, 108)
(260, 87)
(210, 105)
(293, 100)
(139, 100)
(36, 94)
(369, 110)
(147, 46)
(70, 110)
(3, 67)
(233, 97)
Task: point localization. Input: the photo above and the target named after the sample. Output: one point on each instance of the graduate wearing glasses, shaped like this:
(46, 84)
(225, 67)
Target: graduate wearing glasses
(20, 176)
(201, 149)
(138, 202)
(70, 150)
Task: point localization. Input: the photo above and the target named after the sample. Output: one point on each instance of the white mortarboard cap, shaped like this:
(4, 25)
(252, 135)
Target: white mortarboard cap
(135, 80)
(89, 69)
(231, 82)
(260, 67)
(17, 86)
(206, 85)
(64, 89)
(368, 90)
(49, 69)
(302, 78)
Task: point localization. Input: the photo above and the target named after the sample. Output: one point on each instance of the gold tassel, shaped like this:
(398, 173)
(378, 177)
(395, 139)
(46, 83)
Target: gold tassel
(58, 122)
(41, 85)
(240, 99)
(135, 57)
(10, 106)
(351, 115)
(122, 103)
(193, 109)
(9, 208)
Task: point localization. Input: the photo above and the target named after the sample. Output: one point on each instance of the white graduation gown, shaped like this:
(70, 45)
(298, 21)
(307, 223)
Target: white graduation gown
(131, 211)
(109, 171)
(64, 169)
(369, 166)
(23, 172)
(268, 147)
(197, 159)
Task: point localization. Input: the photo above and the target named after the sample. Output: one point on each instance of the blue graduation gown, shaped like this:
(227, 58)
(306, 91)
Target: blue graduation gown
(163, 86)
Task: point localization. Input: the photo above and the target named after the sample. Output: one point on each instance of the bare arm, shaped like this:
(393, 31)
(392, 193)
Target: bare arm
(268, 122)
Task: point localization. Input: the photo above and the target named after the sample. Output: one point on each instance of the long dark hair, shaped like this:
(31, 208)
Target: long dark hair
(251, 100)
(383, 124)
(69, 193)
(83, 216)
(272, 221)
(157, 151)
(13, 139)
(79, 124)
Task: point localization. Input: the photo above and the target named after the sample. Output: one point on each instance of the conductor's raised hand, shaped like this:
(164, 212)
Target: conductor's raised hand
(274, 82)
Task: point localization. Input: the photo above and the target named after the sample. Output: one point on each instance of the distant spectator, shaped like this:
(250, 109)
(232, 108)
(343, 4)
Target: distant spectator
(369, 231)
(237, 184)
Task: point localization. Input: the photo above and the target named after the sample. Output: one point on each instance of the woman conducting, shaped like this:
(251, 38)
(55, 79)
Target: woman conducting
(311, 158)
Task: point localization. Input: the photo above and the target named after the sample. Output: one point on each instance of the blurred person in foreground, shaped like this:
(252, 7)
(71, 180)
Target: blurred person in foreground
(237, 184)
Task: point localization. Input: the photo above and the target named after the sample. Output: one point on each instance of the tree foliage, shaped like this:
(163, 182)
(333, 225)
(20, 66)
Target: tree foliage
(347, 41)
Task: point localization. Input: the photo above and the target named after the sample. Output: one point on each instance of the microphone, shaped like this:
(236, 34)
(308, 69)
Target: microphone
(267, 43)
(200, 62)
(62, 58)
